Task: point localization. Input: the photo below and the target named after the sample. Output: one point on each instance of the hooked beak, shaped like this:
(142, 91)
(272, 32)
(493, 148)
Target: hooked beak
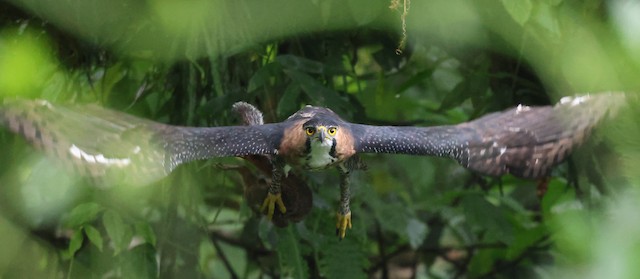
(322, 135)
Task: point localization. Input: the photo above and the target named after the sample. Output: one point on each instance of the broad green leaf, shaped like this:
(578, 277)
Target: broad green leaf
(116, 229)
(524, 239)
(297, 63)
(237, 258)
(319, 94)
(483, 214)
(546, 16)
(415, 80)
(94, 236)
(519, 10)
(144, 230)
(392, 216)
(314, 89)
(112, 76)
(266, 233)
(263, 76)
(74, 244)
(140, 262)
(343, 259)
(483, 261)
(292, 263)
(417, 232)
(288, 104)
(83, 214)
(557, 199)
(460, 93)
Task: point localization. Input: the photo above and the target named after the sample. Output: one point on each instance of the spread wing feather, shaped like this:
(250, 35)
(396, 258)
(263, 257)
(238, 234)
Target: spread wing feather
(523, 141)
(99, 142)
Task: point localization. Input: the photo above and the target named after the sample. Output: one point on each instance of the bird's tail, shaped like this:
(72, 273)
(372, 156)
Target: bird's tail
(250, 115)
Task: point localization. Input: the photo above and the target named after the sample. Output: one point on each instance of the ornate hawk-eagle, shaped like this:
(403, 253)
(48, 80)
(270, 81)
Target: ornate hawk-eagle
(523, 141)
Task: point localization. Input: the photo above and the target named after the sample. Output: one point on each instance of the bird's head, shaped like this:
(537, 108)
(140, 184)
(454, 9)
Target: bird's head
(324, 133)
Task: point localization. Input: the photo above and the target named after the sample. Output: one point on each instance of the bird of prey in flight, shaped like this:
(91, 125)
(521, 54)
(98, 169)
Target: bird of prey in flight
(523, 141)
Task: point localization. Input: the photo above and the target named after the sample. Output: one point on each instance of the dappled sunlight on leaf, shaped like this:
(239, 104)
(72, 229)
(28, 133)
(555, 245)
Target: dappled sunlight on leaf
(25, 62)
(47, 190)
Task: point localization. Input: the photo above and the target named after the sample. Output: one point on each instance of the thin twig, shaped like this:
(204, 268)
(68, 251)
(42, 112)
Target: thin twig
(226, 262)
(440, 250)
(381, 246)
(500, 267)
(239, 243)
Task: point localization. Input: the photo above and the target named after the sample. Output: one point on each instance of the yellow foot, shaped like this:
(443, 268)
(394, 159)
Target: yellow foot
(343, 222)
(270, 203)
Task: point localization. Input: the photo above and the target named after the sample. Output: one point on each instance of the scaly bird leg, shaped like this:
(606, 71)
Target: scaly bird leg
(274, 194)
(252, 116)
(344, 212)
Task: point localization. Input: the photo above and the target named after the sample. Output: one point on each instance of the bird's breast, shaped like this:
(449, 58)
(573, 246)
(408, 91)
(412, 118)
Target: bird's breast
(320, 155)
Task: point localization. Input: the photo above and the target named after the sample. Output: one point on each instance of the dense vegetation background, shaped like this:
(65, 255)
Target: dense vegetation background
(187, 62)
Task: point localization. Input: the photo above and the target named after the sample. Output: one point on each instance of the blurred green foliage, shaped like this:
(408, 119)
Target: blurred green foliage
(187, 62)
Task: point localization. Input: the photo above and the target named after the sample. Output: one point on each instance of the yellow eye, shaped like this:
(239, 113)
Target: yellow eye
(332, 131)
(310, 131)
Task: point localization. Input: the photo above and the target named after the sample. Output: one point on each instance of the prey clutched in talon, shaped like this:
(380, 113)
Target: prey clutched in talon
(270, 202)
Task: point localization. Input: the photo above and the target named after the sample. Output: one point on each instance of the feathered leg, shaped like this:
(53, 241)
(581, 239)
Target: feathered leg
(252, 116)
(274, 195)
(344, 212)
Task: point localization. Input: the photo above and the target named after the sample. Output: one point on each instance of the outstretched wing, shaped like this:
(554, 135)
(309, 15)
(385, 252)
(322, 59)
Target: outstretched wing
(99, 142)
(523, 141)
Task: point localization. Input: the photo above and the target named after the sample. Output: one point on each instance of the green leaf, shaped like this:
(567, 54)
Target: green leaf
(483, 261)
(342, 259)
(557, 200)
(546, 17)
(74, 244)
(415, 80)
(457, 96)
(290, 255)
(520, 10)
(417, 232)
(144, 230)
(525, 238)
(483, 214)
(140, 262)
(318, 93)
(83, 214)
(94, 236)
(392, 216)
(263, 76)
(288, 104)
(301, 64)
(116, 229)
(266, 233)
(112, 76)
